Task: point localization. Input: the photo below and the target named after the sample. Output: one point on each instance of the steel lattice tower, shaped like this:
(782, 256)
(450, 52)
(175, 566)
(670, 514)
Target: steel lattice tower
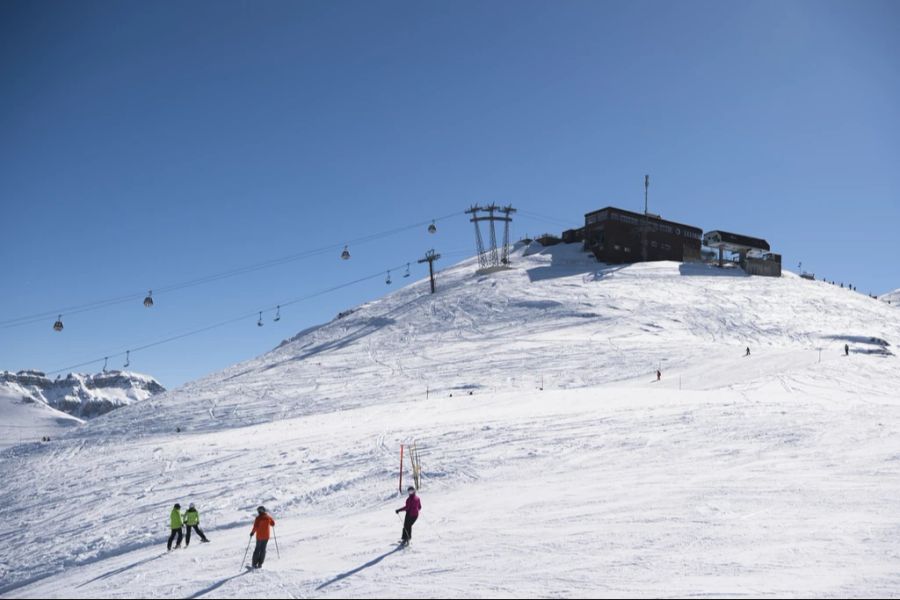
(490, 258)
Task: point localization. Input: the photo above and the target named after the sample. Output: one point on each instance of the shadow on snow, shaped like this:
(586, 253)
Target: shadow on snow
(371, 563)
(115, 572)
(215, 586)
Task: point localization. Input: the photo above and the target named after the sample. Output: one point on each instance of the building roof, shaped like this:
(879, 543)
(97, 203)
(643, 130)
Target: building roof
(735, 241)
(651, 217)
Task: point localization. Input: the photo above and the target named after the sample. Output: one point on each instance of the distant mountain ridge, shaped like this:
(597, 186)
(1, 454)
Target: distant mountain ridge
(80, 395)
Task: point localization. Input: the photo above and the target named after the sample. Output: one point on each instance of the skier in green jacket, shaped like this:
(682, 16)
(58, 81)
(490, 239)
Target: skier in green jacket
(192, 521)
(175, 523)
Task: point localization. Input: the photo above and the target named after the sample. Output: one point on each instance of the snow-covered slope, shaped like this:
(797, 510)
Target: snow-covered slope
(559, 315)
(83, 396)
(24, 419)
(893, 298)
(771, 475)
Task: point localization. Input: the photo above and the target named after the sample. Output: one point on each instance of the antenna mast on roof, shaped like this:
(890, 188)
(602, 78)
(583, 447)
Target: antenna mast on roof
(646, 187)
(645, 225)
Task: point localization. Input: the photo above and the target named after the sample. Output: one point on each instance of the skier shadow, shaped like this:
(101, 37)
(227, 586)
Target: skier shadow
(120, 570)
(215, 586)
(371, 563)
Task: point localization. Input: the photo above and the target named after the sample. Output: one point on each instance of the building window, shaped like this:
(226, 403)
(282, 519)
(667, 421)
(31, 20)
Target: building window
(617, 247)
(596, 217)
(653, 244)
(627, 249)
(625, 219)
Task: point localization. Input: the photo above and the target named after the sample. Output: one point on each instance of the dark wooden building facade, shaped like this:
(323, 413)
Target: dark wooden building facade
(616, 236)
(572, 236)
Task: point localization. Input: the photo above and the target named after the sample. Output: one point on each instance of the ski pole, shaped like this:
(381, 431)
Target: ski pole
(403, 521)
(245, 552)
(275, 537)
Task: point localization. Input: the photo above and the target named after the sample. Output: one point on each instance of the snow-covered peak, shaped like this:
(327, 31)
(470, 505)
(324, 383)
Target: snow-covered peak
(556, 314)
(82, 395)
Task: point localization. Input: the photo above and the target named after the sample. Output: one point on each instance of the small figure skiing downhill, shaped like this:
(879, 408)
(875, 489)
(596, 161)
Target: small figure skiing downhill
(261, 528)
(412, 508)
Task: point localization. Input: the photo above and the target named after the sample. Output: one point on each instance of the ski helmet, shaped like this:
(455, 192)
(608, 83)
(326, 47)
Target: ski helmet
(177, 506)
(261, 510)
(192, 505)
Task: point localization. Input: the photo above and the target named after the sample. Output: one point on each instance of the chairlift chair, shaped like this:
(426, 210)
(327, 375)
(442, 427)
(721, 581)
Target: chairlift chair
(58, 326)
(148, 301)
(127, 359)
(407, 270)
(277, 313)
(432, 228)
(388, 279)
(345, 254)
(259, 323)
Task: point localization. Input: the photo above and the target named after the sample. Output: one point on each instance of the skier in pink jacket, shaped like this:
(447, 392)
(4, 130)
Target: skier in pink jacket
(412, 508)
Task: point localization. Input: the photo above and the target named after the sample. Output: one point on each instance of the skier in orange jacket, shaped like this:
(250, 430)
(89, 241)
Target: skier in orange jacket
(261, 528)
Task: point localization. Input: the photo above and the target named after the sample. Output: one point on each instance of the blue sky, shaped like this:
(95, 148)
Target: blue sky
(144, 144)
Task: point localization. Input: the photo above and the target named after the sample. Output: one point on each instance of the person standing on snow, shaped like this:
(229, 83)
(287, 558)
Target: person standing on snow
(175, 523)
(658, 374)
(846, 350)
(748, 351)
(192, 521)
(261, 528)
(412, 508)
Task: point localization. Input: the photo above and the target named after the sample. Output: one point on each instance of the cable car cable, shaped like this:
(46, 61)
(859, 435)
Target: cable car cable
(79, 308)
(242, 317)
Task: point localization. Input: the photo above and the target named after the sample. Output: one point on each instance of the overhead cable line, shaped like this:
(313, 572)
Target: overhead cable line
(132, 350)
(80, 308)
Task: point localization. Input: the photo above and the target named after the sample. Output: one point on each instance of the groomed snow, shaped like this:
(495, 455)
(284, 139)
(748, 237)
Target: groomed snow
(776, 474)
